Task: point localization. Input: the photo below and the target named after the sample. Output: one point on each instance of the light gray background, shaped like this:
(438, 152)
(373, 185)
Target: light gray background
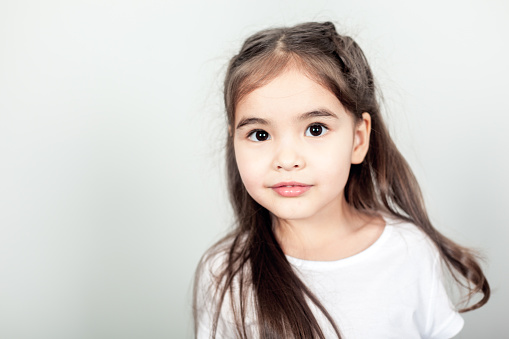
(111, 131)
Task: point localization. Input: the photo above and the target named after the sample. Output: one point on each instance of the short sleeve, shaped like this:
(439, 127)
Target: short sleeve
(443, 321)
(202, 302)
(205, 301)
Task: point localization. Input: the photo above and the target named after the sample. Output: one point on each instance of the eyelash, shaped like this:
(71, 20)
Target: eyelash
(252, 134)
(326, 129)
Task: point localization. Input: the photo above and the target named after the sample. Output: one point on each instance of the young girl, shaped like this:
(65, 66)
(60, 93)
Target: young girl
(332, 237)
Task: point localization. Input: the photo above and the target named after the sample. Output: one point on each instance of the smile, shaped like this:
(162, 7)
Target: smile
(290, 189)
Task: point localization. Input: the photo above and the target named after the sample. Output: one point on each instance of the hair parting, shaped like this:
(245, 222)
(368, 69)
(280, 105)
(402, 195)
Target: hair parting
(256, 266)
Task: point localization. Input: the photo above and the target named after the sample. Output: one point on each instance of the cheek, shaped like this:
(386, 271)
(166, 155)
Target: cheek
(333, 164)
(335, 171)
(251, 167)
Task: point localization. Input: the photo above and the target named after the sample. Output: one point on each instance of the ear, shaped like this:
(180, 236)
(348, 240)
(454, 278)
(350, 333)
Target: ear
(362, 131)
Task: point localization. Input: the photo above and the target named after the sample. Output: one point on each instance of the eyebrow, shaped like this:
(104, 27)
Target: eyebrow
(251, 121)
(323, 113)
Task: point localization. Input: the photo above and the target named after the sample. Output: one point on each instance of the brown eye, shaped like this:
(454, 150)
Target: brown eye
(259, 135)
(316, 130)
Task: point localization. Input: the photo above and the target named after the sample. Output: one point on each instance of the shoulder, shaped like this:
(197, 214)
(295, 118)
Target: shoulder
(206, 289)
(213, 295)
(406, 230)
(435, 312)
(213, 264)
(412, 240)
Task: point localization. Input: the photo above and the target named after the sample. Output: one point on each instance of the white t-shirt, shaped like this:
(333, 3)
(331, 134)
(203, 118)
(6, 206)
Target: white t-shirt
(393, 289)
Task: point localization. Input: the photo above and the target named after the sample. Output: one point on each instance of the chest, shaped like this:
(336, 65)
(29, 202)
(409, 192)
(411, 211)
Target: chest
(379, 300)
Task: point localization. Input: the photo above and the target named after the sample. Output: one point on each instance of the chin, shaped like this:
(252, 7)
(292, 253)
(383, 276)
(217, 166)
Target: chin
(291, 214)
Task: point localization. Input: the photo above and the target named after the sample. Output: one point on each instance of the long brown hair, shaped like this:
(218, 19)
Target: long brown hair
(382, 183)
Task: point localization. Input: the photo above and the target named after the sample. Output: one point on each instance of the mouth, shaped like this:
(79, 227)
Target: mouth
(290, 189)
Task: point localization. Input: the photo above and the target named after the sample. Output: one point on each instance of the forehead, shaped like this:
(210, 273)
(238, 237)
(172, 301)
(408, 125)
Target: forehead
(290, 93)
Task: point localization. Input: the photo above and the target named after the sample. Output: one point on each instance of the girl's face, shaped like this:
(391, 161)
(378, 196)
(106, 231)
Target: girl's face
(294, 144)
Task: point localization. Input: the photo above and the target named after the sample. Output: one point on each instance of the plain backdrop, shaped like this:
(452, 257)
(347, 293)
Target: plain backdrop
(111, 136)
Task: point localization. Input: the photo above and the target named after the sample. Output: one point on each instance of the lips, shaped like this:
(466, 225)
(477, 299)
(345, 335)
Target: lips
(291, 189)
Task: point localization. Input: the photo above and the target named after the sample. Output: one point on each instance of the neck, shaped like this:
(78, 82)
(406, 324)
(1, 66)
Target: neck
(331, 235)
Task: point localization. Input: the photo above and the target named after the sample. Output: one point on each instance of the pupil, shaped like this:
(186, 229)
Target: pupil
(316, 130)
(262, 135)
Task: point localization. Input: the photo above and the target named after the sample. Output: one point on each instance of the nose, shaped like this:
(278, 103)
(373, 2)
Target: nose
(288, 157)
